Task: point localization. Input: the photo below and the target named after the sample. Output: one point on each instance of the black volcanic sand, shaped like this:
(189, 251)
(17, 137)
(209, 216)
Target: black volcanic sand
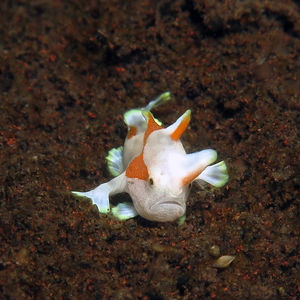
(70, 69)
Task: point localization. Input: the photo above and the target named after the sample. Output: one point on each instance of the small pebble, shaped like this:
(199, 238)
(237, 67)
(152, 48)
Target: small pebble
(223, 261)
(281, 291)
(214, 251)
(158, 248)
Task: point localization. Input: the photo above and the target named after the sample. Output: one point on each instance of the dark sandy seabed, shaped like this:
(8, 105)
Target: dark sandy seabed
(70, 69)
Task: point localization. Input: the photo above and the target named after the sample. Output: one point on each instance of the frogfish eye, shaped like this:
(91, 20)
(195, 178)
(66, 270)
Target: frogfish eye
(151, 181)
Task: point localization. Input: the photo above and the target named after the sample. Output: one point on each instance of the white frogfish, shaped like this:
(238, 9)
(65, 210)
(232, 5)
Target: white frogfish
(154, 169)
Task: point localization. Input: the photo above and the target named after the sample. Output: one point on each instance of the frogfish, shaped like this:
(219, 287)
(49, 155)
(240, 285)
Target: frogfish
(154, 168)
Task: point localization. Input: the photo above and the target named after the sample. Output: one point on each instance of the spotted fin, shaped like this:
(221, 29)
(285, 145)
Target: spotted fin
(215, 175)
(115, 161)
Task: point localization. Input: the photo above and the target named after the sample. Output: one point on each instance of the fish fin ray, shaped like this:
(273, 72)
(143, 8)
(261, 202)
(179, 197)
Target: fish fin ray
(124, 211)
(160, 100)
(215, 175)
(114, 161)
(195, 164)
(100, 198)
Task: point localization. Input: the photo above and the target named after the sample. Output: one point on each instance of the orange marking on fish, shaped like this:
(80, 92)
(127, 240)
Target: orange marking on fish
(137, 168)
(190, 177)
(132, 132)
(176, 134)
(152, 126)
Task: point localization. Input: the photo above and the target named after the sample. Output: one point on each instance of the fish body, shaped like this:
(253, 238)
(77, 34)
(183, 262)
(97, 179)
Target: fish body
(154, 169)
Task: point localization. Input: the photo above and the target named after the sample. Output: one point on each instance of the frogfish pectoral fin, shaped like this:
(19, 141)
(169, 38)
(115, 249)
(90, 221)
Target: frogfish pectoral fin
(99, 197)
(124, 211)
(100, 194)
(215, 175)
(195, 163)
(114, 161)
